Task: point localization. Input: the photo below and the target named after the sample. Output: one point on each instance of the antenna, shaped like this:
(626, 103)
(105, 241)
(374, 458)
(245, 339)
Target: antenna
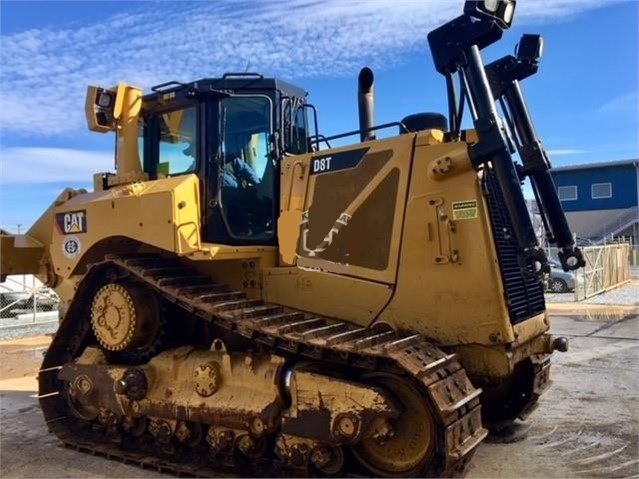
(248, 63)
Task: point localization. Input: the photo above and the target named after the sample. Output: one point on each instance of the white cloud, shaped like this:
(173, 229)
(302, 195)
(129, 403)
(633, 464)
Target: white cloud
(621, 104)
(45, 71)
(537, 11)
(565, 152)
(51, 165)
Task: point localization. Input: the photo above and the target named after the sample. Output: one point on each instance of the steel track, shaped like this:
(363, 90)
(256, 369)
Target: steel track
(453, 399)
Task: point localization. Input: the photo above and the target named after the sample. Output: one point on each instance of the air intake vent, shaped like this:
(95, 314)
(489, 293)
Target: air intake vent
(524, 294)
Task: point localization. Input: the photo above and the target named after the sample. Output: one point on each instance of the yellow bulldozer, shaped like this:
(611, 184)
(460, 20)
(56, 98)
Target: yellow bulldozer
(242, 298)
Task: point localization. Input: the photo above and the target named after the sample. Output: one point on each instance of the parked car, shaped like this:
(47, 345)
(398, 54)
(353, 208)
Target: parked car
(47, 301)
(16, 302)
(559, 281)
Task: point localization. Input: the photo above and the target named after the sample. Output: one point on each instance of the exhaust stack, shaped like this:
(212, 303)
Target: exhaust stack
(366, 103)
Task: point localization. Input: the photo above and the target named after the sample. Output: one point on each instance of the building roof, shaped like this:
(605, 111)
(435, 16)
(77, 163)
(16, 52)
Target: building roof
(600, 164)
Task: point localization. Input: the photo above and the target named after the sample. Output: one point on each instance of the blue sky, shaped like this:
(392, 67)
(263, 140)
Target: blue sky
(583, 100)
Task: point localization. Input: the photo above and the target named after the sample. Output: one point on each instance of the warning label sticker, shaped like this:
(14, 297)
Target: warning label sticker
(465, 210)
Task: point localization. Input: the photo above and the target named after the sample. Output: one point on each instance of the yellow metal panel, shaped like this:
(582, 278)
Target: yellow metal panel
(240, 267)
(20, 254)
(186, 211)
(294, 182)
(293, 186)
(429, 137)
(128, 101)
(326, 294)
(216, 251)
(399, 150)
(485, 361)
(531, 328)
(449, 284)
(163, 214)
(500, 360)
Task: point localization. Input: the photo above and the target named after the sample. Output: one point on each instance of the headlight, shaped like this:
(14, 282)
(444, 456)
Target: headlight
(501, 11)
(98, 109)
(105, 99)
(491, 5)
(530, 47)
(509, 11)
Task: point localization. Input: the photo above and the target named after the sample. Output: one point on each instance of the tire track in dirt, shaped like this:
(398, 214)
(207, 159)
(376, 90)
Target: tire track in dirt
(591, 452)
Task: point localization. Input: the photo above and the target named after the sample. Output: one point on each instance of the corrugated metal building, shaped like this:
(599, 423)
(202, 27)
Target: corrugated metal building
(601, 200)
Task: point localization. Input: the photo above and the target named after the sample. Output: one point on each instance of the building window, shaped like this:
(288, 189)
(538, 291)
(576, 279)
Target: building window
(601, 190)
(567, 193)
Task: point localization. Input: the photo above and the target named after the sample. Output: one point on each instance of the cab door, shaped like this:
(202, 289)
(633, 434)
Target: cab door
(242, 178)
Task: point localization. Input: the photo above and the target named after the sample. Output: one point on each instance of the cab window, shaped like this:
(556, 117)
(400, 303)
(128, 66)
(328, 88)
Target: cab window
(294, 126)
(299, 135)
(247, 168)
(177, 142)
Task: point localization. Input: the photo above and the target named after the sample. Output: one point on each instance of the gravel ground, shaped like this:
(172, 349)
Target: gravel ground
(625, 295)
(25, 325)
(559, 297)
(26, 330)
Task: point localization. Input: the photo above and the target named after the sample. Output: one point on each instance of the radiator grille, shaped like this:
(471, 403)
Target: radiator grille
(524, 293)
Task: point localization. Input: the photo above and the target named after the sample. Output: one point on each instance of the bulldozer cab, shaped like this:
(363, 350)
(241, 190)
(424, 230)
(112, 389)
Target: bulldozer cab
(246, 164)
(231, 132)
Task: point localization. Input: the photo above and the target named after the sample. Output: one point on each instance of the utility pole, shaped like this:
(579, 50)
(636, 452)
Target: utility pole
(24, 278)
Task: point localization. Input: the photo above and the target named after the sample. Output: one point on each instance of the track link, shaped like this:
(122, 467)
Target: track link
(284, 331)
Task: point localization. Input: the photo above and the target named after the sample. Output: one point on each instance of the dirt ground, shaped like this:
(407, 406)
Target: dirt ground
(587, 424)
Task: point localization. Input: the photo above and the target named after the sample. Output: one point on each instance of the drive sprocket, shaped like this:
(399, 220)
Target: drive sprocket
(124, 316)
(412, 442)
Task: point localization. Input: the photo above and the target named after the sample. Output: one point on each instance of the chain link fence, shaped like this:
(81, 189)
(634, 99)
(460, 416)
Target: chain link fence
(25, 302)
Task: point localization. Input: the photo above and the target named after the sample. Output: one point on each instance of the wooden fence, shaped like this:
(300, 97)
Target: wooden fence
(607, 266)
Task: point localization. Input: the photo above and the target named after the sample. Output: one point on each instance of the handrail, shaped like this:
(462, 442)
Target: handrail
(243, 75)
(316, 138)
(162, 87)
